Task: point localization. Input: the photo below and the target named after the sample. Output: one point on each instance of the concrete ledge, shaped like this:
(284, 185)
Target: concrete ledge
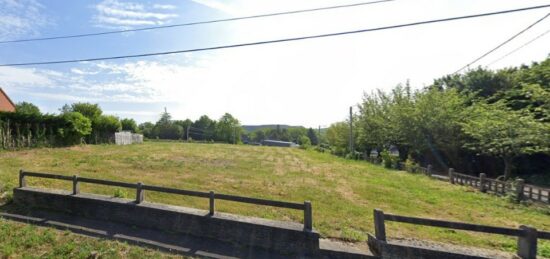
(281, 237)
(388, 250)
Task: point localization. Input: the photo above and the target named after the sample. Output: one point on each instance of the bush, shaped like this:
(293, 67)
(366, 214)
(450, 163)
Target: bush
(388, 160)
(77, 127)
(411, 165)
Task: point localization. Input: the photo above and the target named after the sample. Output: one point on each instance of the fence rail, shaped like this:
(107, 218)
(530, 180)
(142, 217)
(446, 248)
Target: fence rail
(140, 188)
(527, 236)
(484, 184)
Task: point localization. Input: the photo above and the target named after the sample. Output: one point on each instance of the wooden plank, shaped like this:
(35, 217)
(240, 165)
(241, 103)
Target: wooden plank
(281, 204)
(544, 235)
(46, 175)
(107, 182)
(175, 191)
(454, 225)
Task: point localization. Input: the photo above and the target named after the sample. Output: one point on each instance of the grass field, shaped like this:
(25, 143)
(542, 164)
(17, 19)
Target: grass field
(343, 192)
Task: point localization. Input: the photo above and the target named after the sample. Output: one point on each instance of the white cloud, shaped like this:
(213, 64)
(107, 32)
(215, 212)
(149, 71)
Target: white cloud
(10, 76)
(83, 72)
(119, 14)
(21, 18)
(164, 6)
(218, 5)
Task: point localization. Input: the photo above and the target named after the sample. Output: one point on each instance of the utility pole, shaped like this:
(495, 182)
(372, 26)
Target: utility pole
(187, 132)
(234, 134)
(351, 129)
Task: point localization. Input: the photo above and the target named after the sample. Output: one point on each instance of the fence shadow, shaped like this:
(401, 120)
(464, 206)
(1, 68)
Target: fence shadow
(159, 240)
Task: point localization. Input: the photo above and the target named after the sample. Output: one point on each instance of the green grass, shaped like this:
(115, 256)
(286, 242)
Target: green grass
(28, 241)
(343, 192)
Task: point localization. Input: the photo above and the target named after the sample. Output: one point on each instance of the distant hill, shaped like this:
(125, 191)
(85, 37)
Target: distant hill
(250, 128)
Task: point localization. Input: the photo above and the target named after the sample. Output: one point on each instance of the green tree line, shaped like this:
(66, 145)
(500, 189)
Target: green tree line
(299, 135)
(227, 129)
(76, 124)
(497, 122)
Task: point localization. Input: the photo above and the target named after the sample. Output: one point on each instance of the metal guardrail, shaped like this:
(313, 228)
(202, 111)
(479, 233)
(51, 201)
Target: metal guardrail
(140, 188)
(527, 236)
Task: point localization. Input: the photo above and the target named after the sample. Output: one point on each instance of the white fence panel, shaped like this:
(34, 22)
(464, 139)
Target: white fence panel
(127, 138)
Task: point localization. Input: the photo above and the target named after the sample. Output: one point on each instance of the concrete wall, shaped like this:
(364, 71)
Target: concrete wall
(393, 251)
(282, 237)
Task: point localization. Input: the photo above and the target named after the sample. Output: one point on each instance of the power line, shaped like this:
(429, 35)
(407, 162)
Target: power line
(520, 47)
(196, 23)
(276, 41)
(503, 43)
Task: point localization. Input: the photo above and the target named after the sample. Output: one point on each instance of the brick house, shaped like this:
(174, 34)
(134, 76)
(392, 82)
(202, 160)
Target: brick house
(6, 105)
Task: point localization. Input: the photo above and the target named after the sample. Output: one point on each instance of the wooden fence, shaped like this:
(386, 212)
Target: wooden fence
(482, 183)
(518, 187)
(527, 236)
(140, 188)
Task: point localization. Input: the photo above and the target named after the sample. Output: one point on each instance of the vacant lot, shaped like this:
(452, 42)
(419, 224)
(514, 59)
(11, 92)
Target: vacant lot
(343, 192)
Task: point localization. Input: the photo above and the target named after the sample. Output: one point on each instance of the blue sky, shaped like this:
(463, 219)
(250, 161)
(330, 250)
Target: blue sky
(306, 83)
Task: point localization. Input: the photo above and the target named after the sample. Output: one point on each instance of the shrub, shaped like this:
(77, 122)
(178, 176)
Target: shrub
(388, 160)
(120, 193)
(77, 127)
(410, 165)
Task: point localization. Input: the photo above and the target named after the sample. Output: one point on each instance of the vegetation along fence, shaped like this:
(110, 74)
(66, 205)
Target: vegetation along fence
(517, 188)
(140, 188)
(527, 236)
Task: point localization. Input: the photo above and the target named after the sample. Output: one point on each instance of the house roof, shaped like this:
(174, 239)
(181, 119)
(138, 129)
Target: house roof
(7, 97)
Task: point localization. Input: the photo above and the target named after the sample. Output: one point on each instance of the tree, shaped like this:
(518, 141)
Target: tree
(312, 137)
(228, 129)
(104, 128)
(77, 127)
(338, 137)
(27, 108)
(203, 129)
(258, 135)
(129, 125)
(304, 142)
(166, 129)
(89, 110)
(185, 124)
(147, 128)
(498, 131)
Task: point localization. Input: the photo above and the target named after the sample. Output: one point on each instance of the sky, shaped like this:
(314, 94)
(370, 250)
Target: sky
(310, 83)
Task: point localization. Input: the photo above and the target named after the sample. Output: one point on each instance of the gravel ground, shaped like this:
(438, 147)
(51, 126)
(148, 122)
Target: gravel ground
(453, 248)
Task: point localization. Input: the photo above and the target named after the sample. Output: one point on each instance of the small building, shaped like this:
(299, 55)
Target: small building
(6, 105)
(277, 143)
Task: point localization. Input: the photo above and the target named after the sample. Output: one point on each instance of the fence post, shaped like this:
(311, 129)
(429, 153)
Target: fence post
(520, 183)
(139, 193)
(482, 177)
(430, 170)
(527, 243)
(308, 217)
(451, 175)
(76, 186)
(212, 204)
(22, 180)
(379, 227)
